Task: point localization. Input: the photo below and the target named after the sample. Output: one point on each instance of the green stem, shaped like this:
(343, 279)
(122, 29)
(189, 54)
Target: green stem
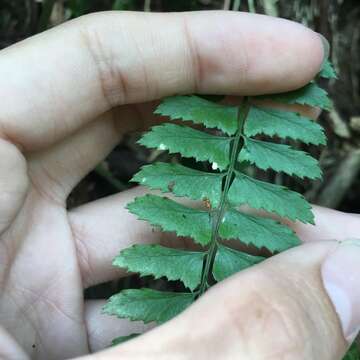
(218, 213)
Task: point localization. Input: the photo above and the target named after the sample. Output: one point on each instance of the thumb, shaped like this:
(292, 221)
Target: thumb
(301, 304)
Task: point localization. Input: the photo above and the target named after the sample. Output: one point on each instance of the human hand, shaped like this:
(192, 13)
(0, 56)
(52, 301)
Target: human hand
(67, 98)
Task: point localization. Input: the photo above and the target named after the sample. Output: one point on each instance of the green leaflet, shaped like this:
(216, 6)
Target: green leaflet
(189, 143)
(229, 261)
(119, 340)
(269, 197)
(161, 261)
(181, 181)
(284, 124)
(328, 71)
(147, 305)
(171, 216)
(261, 232)
(200, 111)
(279, 157)
(311, 94)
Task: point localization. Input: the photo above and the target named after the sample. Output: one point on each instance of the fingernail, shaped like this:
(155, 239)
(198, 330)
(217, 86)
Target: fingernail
(326, 48)
(341, 278)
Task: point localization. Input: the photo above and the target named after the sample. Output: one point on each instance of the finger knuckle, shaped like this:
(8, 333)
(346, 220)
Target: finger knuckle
(195, 60)
(113, 80)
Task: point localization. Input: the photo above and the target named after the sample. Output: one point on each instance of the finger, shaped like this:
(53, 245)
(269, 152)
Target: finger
(103, 228)
(58, 169)
(330, 224)
(102, 328)
(13, 182)
(115, 58)
(302, 304)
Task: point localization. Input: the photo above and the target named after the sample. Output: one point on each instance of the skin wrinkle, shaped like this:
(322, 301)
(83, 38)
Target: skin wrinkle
(106, 73)
(8, 139)
(155, 87)
(54, 191)
(13, 244)
(47, 302)
(311, 294)
(18, 186)
(298, 335)
(195, 59)
(267, 315)
(142, 62)
(30, 308)
(244, 67)
(40, 296)
(83, 253)
(36, 337)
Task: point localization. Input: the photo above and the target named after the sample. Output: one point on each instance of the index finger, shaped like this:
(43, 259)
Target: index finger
(57, 81)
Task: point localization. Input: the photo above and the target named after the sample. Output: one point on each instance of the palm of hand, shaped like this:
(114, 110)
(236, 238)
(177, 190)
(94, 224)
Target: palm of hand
(42, 292)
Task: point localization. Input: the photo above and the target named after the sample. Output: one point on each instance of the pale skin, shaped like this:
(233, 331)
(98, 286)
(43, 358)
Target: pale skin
(67, 98)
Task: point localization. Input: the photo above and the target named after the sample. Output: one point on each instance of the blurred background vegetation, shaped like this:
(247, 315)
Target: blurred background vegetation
(337, 20)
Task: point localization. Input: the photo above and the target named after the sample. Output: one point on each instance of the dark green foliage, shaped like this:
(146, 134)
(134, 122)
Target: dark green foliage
(229, 261)
(328, 71)
(162, 261)
(269, 197)
(227, 142)
(311, 94)
(200, 111)
(279, 157)
(189, 143)
(285, 124)
(148, 305)
(256, 230)
(181, 181)
(171, 216)
(121, 339)
(353, 353)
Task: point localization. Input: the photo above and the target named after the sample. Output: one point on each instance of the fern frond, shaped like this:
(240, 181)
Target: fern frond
(284, 124)
(279, 157)
(311, 95)
(258, 231)
(160, 261)
(328, 71)
(189, 143)
(181, 181)
(269, 197)
(171, 216)
(229, 261)
(200, 111)
(147, 305)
